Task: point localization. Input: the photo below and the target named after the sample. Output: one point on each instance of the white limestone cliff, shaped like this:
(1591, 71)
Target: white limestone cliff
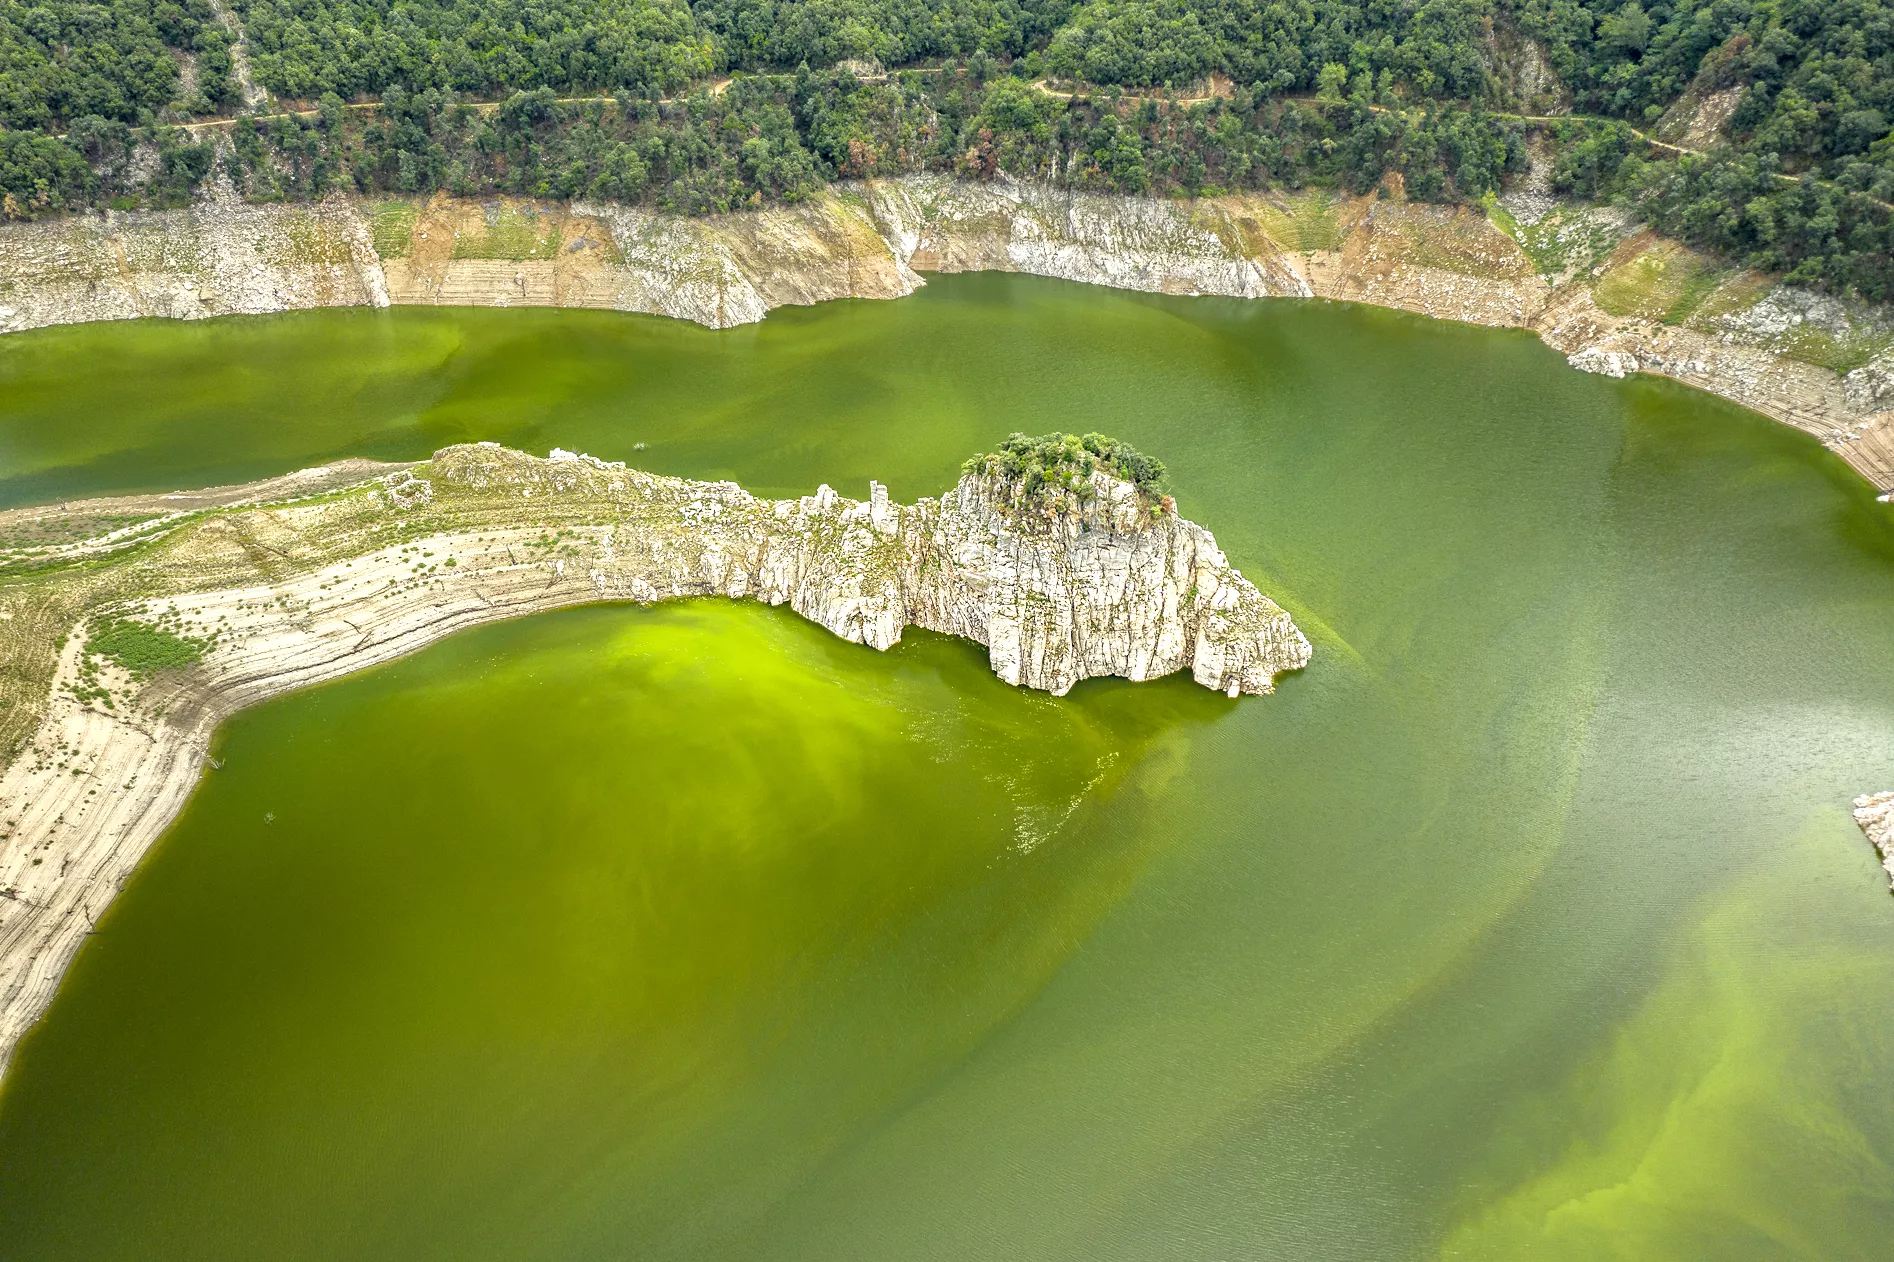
(1120, 586)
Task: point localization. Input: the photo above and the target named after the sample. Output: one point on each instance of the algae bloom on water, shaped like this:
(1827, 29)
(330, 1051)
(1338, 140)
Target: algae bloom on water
(1530, 923)
(1125, 592)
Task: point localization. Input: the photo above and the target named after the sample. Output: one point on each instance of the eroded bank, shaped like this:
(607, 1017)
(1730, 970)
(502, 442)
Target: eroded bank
(1610, 296)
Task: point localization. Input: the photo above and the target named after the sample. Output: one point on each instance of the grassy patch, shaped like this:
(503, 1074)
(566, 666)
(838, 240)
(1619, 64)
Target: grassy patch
(1737, 293)
(1841, 355)
(1305, 223)
(142, 649)
(1698, 285)
(391, 228)
(310, 241)
(511, 234)
(1665, 282)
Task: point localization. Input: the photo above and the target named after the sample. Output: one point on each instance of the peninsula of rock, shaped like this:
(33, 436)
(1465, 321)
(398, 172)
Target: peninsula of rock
(1086, 575)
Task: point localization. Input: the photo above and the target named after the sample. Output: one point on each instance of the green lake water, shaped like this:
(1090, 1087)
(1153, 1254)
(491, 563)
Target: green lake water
(1528, 921)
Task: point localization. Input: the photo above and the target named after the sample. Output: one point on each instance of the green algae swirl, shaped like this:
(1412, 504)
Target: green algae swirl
(1530, 922)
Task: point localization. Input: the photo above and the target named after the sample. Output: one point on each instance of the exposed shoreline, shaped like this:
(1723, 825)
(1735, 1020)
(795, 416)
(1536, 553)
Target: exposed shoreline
(347, 577)
(1611, 297)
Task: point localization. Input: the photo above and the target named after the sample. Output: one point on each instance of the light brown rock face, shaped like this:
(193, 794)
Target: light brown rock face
(314, 588)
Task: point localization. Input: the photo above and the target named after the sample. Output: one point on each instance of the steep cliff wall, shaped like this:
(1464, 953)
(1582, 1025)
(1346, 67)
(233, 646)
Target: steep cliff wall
(345, 577)
(1613, 299)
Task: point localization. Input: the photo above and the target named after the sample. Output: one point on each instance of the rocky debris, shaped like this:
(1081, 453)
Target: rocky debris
(253, 96)
(1788, 318)
(405, 490)
(1870, 388)
(1595, 359)
(1875, 813)
(1522, 72)
(1529, 198)
(1700, 119)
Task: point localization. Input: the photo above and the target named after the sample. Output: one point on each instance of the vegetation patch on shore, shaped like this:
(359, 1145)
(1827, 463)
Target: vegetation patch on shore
(142, 649)
(511, 234)
(392, 229)
(139, 649)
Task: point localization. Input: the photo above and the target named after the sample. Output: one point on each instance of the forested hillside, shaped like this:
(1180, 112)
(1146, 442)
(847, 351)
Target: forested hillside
(1777, 112)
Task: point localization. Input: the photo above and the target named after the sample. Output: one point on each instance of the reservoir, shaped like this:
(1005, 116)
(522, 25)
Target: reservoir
(1528, 920)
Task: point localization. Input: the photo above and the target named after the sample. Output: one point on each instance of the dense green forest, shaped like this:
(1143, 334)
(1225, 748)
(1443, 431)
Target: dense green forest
(478, 96)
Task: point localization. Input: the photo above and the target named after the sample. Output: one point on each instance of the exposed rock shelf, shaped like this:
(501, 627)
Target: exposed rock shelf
(1610, 297)
(308, 590)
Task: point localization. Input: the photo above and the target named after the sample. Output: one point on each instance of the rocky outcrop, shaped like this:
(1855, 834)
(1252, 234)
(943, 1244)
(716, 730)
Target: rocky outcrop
(1119, 587)
(217, 258)
(1875, 813)
(934, 224)
(1611, 298)
(341, 579)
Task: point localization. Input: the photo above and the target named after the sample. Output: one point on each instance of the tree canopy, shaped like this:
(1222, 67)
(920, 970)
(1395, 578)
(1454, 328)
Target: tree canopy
(1796, 175)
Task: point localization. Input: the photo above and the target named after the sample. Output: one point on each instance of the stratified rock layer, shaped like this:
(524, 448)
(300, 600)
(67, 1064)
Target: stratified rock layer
(315, 588)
